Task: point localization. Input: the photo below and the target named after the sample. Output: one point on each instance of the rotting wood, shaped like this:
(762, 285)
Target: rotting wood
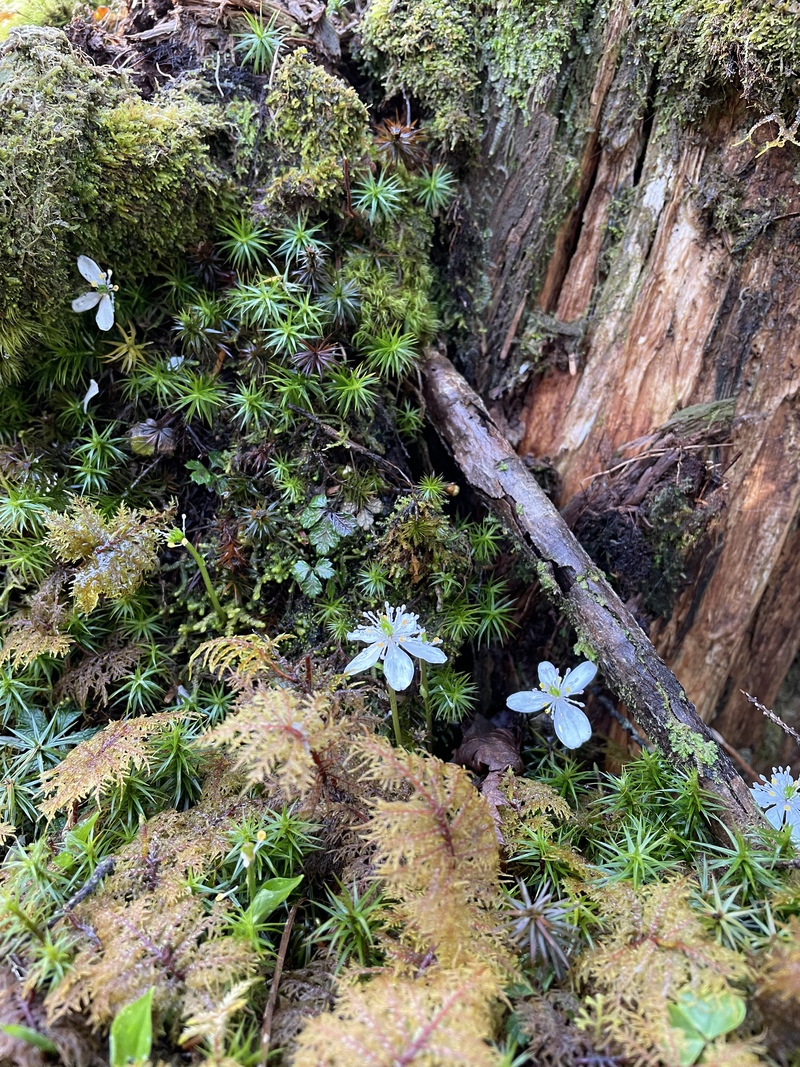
(628, 660)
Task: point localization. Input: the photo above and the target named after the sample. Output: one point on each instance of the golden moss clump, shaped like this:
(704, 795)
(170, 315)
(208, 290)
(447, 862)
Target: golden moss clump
(113, 555)
(432, 52)
(318, 123)
(442, 1017)
(87, 167)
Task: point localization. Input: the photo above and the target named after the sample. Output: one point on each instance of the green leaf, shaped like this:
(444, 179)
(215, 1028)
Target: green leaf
(708, 1016)
(313, 511)
(270, 895)
(31, 1037)
(691, 1047)
(200, 475)
(131, 1036)
(324, 569)
(323, 537)
(308, 581)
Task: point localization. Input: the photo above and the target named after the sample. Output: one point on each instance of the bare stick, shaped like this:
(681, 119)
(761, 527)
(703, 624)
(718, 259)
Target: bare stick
(269, 1011)
(787, 729)
(629, 663)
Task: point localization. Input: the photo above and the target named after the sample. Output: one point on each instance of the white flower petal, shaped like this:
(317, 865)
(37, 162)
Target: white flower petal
(529, 701)
(90, 270)
(571, 725)
(764, 795)
(774, 817)
(548, 675)
(367, 658)
(91, 393)
(105, 313)
(398, 668)
(405, 624)
(781, 778)
(86, 301)
(576, 680)
(415, 646)
(367, 633)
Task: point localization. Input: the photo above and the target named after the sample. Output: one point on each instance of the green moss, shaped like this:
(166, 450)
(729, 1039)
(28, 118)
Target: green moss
(689, 745)
(34, 13)
(318, 122)
(88, 167)
(698, 44)
(528, 46)
(430, 50)
(395, 283)
(548, 583)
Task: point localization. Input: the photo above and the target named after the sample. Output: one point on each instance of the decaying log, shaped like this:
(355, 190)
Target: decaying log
(625, 655)
(658, 261)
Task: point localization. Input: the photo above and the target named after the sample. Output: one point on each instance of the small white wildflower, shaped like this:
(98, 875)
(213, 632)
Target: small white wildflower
(571, 725)
(393, 638)
(780, 798)
(101, 295)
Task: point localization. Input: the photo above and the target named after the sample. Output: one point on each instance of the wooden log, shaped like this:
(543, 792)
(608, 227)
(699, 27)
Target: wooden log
(628, 660)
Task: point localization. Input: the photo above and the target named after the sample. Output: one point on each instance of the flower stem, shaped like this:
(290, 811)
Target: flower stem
(221, 614)
(423, 685)
(395, 717)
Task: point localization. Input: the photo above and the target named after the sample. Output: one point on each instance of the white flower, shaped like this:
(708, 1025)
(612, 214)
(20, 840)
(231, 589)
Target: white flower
(101, 295)
(553, 695)
(393, 638)
(780, 799)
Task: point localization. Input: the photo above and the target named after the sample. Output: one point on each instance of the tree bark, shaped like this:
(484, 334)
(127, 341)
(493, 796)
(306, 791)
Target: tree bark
(626, 657)
(687, 296)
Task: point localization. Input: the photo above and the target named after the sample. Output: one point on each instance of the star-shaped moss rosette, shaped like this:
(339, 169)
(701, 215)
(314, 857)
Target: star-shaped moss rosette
(555, 696)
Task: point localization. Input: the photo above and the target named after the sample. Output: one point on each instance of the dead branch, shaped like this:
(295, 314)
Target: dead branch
(787, 729)
(629, 663)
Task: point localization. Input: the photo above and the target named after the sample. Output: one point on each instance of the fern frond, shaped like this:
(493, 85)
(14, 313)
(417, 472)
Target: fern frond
(210, 1016)
(442, 1018)
(177, 843)
(24, 641)
(282, 736)
(656, 946)
(107, 759)
(132, 946)
(114, 554)
(437, 853)
(246, 654)
(443, 830)
(39, 628)
(94, 673)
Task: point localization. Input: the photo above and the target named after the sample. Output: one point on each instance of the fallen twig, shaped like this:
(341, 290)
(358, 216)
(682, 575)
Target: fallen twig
(787, 729)
(629, 662)
(269, 1010)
